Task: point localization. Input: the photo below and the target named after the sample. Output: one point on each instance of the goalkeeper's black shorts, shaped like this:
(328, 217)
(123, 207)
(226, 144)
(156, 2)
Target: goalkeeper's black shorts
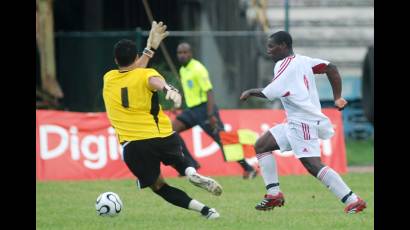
(143, 157)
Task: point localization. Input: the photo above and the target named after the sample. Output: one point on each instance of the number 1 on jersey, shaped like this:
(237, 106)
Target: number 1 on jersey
(124, 97)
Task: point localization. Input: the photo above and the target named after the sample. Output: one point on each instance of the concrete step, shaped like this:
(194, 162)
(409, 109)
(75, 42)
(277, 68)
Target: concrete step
(323, 23)
(302, 42)
(345, 15)
(334, 54)
(320, 3)
(332, 36)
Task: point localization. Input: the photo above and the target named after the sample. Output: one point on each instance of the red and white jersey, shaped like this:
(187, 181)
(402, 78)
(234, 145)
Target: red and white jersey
(294, 83)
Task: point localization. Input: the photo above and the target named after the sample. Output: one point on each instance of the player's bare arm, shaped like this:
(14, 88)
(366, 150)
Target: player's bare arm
(171, 92)
(211, 103)
(156, 35)
(257, 92)
(210, 109)
(336, 83)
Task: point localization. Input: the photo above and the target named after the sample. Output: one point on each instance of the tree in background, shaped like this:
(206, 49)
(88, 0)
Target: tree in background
(50, 90)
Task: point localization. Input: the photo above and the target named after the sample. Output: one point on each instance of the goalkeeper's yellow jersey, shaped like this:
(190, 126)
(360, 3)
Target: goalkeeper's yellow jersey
(132, 105)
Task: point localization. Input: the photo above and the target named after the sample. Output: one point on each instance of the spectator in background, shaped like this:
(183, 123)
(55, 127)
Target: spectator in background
(201, 107)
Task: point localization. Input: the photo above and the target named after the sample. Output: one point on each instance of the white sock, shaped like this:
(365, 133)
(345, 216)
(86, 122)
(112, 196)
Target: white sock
(190, 171)
(267, 164)
(335, 183)
(195, 205)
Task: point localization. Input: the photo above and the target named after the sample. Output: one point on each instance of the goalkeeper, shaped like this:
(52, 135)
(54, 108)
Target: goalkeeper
(145, 133)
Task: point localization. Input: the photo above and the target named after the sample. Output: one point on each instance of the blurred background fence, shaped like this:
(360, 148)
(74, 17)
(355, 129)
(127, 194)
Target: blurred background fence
(84, 57)
(229, 37)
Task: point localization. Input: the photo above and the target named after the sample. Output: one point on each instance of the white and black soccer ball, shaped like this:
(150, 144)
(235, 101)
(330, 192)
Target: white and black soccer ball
(108, 204)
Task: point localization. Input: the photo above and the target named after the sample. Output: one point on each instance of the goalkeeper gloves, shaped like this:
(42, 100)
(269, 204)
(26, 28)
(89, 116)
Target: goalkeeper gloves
(156, 35)
(173, 94)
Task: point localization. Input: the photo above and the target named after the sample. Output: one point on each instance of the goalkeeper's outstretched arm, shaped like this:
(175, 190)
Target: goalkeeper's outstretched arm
(156, 35)
(170, 91)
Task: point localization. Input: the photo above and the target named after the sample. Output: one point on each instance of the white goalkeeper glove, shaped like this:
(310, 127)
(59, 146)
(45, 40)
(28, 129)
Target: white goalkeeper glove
(156, 35)
(173, 94)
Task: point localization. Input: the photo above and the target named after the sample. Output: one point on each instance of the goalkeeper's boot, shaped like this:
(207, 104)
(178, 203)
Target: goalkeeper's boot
(356, 207)
(212, 214)
(271, 201)
(206, 183)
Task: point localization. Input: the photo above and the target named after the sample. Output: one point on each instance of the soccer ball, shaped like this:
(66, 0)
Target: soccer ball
(108, 204)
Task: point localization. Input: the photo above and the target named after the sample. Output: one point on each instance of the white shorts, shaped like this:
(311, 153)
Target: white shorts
(302, 137)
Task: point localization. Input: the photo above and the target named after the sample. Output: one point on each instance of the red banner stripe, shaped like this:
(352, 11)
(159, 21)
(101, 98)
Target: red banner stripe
(83, 146)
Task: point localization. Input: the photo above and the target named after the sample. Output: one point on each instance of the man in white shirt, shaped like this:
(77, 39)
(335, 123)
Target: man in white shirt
(293, 82)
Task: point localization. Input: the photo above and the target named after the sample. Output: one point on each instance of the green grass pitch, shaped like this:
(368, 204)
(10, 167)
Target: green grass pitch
(308, 205)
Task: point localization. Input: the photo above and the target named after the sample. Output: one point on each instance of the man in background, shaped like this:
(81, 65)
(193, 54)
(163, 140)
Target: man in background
(201, 107)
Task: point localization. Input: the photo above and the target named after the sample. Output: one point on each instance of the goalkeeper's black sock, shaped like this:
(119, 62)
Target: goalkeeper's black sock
(174, 196)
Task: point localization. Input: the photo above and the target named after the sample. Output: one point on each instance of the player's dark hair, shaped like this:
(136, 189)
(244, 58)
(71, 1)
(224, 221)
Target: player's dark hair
(282, 37)
(125, 52)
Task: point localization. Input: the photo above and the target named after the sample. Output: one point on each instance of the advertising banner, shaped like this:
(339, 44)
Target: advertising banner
(83, 146)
